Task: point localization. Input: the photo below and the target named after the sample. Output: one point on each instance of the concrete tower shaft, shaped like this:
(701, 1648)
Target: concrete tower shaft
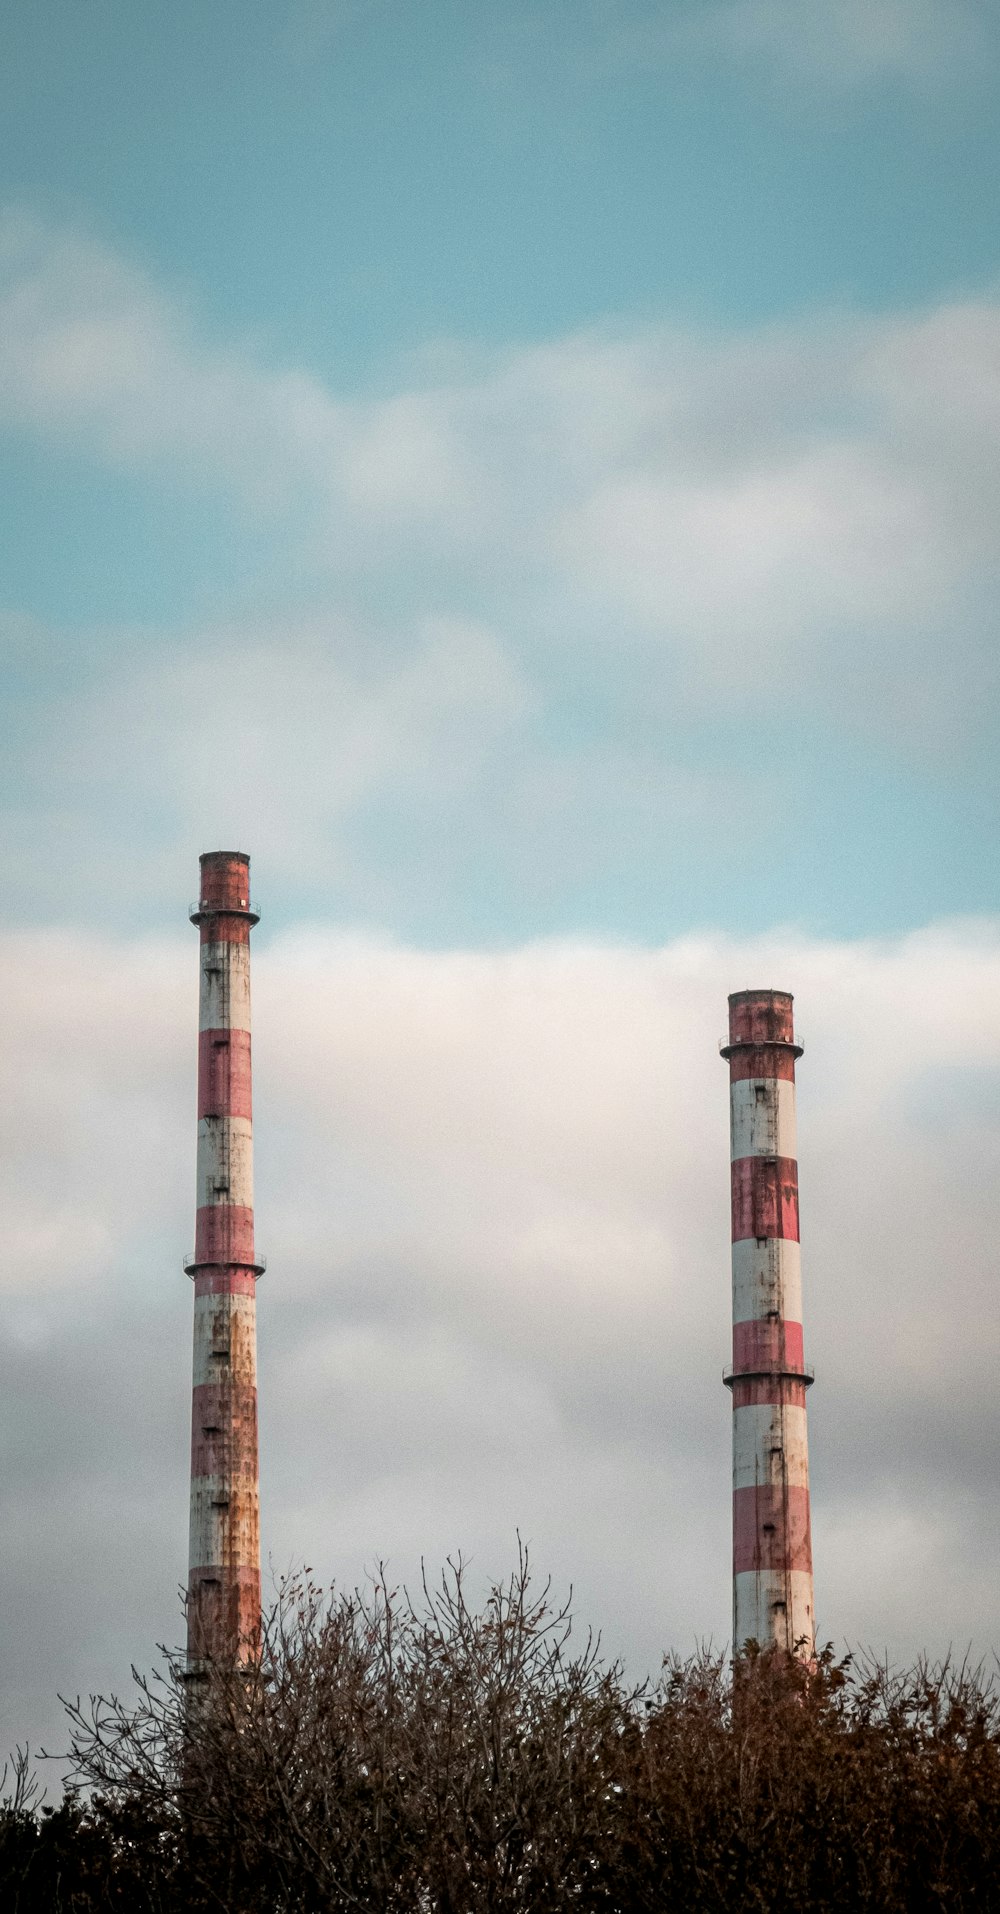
(223, 1597)
(772, 1550)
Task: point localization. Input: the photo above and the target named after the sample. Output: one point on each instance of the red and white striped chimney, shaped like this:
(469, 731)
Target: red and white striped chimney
(223, 1597)
(772, 1551)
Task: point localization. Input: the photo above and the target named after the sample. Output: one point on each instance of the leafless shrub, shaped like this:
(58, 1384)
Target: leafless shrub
(385, 1753)
(778, 1785)
(396, 1754)
(21, 1797)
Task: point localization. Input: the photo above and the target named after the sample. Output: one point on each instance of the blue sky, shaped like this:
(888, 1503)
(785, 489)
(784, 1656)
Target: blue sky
(530, 474)
(351, 179)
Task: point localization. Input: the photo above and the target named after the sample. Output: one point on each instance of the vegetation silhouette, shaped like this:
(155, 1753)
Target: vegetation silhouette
(402, 1754)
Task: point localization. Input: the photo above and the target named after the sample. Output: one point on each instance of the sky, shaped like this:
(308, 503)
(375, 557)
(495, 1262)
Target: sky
(529, 475)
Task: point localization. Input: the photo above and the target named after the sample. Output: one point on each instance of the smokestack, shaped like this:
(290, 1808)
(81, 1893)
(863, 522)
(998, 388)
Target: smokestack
(223, 1597)
(772, 1551)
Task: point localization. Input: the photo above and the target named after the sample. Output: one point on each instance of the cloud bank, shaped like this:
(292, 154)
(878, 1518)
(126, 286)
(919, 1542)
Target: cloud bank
(768, 490)
(543, 611)
(493, 1190)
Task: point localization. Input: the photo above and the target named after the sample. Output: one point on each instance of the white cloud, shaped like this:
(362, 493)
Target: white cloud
(94, 355)
(805, 496)
(493, 1189)
(279, 735)
(681, 529)
(771, 558)
(845, 42)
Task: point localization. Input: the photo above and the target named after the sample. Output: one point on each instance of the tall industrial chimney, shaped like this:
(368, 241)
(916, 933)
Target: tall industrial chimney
(772, 1550)
(223, 1597)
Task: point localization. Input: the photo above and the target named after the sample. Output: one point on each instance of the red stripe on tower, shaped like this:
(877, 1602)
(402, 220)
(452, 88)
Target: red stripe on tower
(223, 1594)
(772, 1552)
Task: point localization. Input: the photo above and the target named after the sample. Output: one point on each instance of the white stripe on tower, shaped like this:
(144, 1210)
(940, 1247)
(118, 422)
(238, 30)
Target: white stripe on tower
(223, 1600)
(772, 1551)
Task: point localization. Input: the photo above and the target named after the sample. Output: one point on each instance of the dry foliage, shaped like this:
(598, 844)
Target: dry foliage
(401, 1755)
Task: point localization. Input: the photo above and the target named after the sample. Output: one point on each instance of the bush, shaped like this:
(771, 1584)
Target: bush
(395, 1755)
